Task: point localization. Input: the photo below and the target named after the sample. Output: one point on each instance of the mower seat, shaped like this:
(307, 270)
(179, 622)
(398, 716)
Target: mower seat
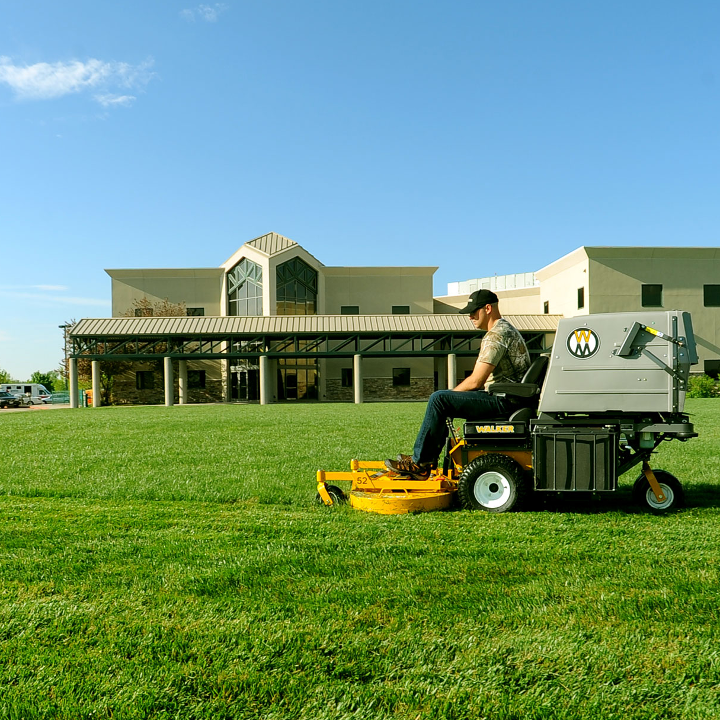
(525, 396)
(526, 393)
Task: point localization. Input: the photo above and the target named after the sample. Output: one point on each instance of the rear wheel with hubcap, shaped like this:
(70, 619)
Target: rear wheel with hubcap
(492, 482)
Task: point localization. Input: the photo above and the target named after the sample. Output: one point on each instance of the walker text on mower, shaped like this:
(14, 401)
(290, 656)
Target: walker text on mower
(611, 391)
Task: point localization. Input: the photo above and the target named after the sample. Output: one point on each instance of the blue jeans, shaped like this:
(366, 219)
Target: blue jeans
(470, 405)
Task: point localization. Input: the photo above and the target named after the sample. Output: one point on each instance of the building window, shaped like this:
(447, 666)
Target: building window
(195, 312)
(652, 296)
(712, 368)
(196, 379)
(297, 285)
(581, 298)
(400, 309)
(349, 309)
(346, 377)
(401, 376)
(711, 295)
(245, 283)
(144, 380)
(546, 308)
(143, 312)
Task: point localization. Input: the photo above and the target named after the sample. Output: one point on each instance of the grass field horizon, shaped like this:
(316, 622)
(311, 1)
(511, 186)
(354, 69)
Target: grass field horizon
(171, 562)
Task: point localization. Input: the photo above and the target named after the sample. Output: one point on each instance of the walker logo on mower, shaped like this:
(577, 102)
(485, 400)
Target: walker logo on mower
(494, 429)
(583, 343)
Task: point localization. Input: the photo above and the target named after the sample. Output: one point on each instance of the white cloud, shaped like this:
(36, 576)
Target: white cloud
(50, 287)
(110, 100)
(45, 81)
(208, 13)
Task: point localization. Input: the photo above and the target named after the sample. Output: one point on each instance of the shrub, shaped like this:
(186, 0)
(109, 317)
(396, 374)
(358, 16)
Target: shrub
(702, 386)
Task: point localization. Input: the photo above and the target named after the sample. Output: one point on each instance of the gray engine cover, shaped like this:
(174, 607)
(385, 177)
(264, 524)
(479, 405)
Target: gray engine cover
(604, 363)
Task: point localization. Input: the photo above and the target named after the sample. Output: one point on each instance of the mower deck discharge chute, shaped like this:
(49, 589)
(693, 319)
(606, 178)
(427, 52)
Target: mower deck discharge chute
(612, 390)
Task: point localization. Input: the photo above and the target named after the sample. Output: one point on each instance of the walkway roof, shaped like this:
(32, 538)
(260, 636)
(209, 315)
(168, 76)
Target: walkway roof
(295, 324)
(318, 336)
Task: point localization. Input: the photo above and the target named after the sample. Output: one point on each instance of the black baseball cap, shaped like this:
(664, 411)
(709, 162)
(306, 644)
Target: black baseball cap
(479, 299)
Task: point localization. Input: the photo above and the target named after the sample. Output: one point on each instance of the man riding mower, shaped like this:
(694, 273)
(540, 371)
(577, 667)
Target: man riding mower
(611, 391)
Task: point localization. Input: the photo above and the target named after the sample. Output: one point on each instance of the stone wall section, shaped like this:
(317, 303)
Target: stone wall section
(381, 389)
(125, 391)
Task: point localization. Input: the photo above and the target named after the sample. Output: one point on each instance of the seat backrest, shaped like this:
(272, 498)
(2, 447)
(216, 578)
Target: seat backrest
(535, 374)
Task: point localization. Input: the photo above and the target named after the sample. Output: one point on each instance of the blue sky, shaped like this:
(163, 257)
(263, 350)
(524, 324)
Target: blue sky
(481, 137)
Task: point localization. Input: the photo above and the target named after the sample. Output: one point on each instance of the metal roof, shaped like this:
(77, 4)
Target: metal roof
(295, 324)
(271, 244)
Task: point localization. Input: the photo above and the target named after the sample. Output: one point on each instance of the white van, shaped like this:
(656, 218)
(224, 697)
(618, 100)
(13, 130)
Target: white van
(34, 393)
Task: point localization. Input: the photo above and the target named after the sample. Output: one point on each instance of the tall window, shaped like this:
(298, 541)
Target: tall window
(581, 298)
(296, 288)
(245, 289)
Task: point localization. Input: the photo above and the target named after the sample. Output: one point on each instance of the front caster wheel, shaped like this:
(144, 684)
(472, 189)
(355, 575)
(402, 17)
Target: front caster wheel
(491, 482)
(670, 485)
(336, 495)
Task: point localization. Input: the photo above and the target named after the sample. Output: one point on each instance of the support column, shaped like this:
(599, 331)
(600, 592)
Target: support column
(228, 380)
(95, 371)
(182, 382)
(451, 371)
(169, 389)
(265, 380)
(357, 379)
(73, 383)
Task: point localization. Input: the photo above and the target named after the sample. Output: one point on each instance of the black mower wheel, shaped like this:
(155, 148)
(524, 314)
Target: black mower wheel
(670, 485)
(493, 483)
(336, 495)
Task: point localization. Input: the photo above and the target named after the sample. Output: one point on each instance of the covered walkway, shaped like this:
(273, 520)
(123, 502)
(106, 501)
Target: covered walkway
(266, 339)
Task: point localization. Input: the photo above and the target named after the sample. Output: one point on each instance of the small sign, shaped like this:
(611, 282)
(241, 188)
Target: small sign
(583, 343)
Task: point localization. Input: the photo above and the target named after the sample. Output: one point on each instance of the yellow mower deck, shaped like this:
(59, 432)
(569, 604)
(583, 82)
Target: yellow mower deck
(374, 489)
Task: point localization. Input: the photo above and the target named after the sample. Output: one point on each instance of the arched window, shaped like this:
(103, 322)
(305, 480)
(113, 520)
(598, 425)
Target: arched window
(296, 288)
(244, 284)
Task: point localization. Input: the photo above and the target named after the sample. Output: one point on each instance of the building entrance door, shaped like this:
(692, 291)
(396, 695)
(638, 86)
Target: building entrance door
(244, 382)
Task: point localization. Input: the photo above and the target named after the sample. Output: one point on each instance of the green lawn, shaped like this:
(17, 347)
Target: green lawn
(171, 563)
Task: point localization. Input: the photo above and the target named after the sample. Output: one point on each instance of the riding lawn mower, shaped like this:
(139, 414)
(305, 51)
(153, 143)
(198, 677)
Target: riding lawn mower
(610, 392)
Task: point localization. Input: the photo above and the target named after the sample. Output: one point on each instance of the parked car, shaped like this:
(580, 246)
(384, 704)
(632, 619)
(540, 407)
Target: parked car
(8, 400)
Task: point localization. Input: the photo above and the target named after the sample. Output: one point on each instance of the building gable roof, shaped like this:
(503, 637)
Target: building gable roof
(271, 244)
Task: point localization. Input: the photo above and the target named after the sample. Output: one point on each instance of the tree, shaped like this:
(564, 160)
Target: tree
(109, 370)
(47, 379)
(67, 349)
(5, 376)
(160, 308)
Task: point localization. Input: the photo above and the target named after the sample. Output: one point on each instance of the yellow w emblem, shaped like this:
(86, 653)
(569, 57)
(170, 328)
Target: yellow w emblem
(583, 336)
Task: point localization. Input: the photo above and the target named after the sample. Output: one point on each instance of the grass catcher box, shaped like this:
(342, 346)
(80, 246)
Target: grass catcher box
(575, 458)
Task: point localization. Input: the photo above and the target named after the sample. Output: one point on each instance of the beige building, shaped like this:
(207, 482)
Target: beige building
(621, 279)
(273, 323)
(274, 276)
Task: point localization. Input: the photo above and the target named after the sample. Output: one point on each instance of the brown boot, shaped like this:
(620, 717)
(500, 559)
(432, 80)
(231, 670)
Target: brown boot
(409, 468)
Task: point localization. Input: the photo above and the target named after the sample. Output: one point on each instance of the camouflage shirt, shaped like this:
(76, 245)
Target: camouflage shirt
(504, 348)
